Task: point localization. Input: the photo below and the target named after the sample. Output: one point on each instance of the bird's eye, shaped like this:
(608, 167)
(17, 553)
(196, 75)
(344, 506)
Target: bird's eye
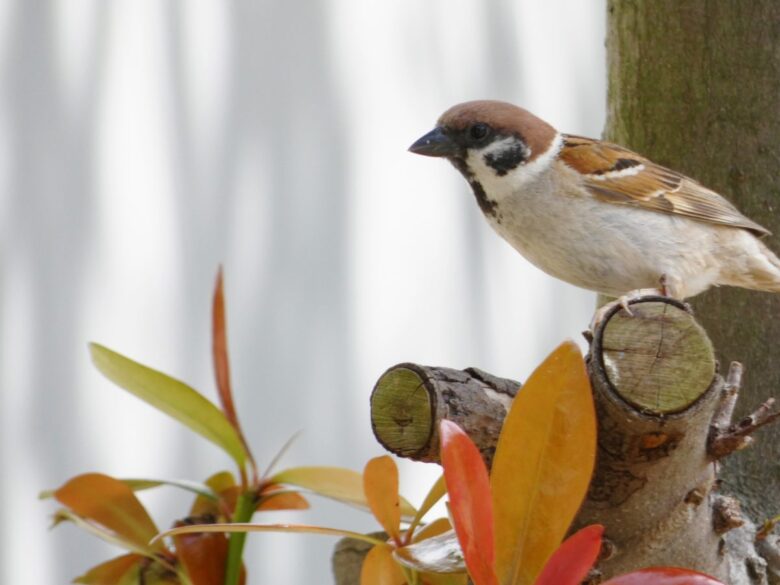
(479, 131)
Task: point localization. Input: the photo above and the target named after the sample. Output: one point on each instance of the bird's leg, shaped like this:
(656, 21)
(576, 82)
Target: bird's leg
(666, 287)
(623, 301)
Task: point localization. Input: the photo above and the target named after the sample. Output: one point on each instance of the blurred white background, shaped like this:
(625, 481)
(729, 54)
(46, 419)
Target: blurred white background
(143, 142)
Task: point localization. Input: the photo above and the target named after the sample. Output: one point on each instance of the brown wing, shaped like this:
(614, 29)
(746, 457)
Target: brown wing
(617, 175)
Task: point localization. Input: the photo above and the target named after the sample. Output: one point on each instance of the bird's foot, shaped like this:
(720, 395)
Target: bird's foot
(623, 302)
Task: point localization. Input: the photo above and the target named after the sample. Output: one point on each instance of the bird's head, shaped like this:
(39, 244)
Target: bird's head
(487, 139)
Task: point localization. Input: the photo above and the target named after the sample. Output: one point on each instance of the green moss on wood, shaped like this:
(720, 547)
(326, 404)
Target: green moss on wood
(660, 360)
(401, 411)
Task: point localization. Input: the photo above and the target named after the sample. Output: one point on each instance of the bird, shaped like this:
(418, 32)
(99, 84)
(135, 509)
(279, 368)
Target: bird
(595, 214)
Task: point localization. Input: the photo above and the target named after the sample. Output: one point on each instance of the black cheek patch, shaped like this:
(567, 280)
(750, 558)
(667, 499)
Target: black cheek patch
(507, 159)
(488, 206)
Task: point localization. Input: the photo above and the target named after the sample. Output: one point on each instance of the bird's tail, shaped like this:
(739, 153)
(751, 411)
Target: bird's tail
(761, 270)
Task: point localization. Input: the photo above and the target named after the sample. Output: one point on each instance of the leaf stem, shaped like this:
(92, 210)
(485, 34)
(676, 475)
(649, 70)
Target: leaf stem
(245, 508)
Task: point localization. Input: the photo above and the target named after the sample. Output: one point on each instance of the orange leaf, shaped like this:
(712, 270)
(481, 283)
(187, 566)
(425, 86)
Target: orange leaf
(111, 572)
(380, 484)
(569, 565)
(543, 464)
(379, 568)
(111, 504)
(664, 576)
(468, 487)
(276, 497)
(203, 555)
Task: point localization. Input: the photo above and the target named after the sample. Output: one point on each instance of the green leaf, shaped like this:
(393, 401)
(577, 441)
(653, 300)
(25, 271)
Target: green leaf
(172, 397)
(190, 486)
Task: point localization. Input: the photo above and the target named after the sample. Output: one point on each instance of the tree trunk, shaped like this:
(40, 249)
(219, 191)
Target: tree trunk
(695, 85)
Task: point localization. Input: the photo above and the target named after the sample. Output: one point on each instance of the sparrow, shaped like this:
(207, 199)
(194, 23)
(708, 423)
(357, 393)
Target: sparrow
(595, 214)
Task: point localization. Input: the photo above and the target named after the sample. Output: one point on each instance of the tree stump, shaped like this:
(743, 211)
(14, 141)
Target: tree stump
(664, 416)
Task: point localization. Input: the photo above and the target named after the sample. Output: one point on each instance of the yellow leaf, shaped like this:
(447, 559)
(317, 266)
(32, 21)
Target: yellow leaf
(438, 526)
(435, 494)
(344, 485)
(379, 568)
(380, 483)
(543, 464)
(245, 527)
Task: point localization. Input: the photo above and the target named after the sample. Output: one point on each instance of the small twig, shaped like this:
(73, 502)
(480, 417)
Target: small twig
(726, 438)
(769, 549)
(729, 395)
(763, 415)
(768, 527)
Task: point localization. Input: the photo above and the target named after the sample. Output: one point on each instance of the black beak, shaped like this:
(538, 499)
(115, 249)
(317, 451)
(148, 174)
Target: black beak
(435, 143)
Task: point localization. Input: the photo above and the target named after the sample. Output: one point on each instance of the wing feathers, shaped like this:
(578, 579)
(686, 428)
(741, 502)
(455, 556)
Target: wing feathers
(617, 175)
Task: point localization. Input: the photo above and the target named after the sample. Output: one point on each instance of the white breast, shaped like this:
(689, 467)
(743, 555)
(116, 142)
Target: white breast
(545, 214)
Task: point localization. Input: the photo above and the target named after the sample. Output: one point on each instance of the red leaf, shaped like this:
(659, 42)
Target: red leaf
(664, 576)
(220, 353)
(571, 562)
(222, 364)
(471, 504)
(203, 555)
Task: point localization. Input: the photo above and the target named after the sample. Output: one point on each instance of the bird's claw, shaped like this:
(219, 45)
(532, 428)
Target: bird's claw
(623, 302)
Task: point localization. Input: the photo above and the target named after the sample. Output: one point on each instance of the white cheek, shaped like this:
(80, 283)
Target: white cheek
(498, 187)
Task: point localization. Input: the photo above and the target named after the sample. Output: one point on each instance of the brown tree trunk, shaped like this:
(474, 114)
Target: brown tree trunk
(695, 85)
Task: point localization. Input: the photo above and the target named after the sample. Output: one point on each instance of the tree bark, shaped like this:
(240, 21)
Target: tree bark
(695, 86)
(409, 400)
